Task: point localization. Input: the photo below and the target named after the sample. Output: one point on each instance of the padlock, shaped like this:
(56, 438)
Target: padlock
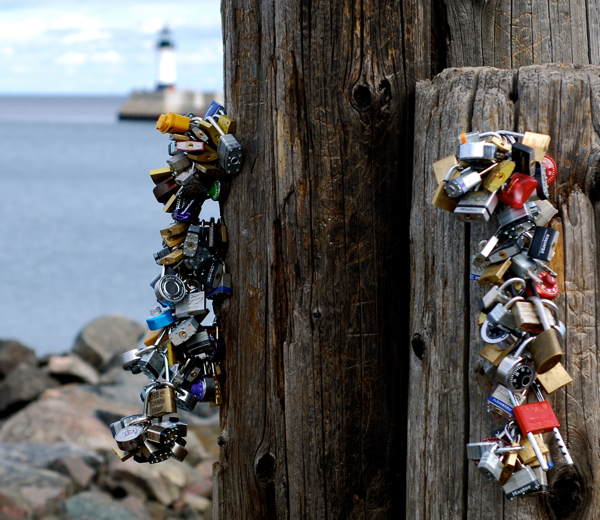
(173, 241)
(527, 268)
(518, 190)
(508, 249)
(541, 178)
(490, 465)
(192, 147)
(445, 169)
(469, 137)
(160, 175)
(493, 353)
(124, 422)
(516, 221)
(546, 214)
(528, 454)
(502, 145)
(476, 450)
(548, 288)
(159, 318)
(223, 289)
(501, 315)
(204, 389)
(229, 151)
(540, 474)
(186, 401)
(500, 404)
(191, 241)
(494, 273)
(497, 336)
(178, 451)
(184, 331)
(477, 153)
(497, 295)
(227, 124)
(152, 364)
(176, 229)
(499, 174)
(130, 438)
(517, 373)
(550, 169)
(179, 162)
(130, 359)
(153, 453)
(480, 261)
(524, 158)
(194, 304)
(163, 433)
(199, 343)
(539, 143)
(171, 204)
(527, 319)
(213, 133)
(208, 155)
(546, 420)
(555, 378)
(172, 123)
(182, 428)
(476, 206)
(521, 482)
(543, 244)
(214, 110)
(169, 288)
(200, 260)
(545, 349)
(173, 257)
(509, 462)
(160, 401)
(165, 189)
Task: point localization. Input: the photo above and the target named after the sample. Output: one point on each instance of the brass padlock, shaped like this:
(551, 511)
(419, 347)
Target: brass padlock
(498, 176)
(175, 229)
(160, 401)
(494, 274)
(554, 379)
(440, 197)
(545, 348)
(208, 155)
(528, 455)
(227, 124)
(172, 257)
(171, 204)
(526, 317)
(160, 174)
(539, 143)
(509, 461)
(209, 130)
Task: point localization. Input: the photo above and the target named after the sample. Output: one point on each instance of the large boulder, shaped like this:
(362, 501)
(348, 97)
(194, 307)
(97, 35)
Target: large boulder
(96, 505)
(71, 369)
(47, 455)
(13, 353)
(21, 386)
(105, 338)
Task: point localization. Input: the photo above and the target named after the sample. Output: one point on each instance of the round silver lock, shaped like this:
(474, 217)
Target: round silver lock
(478, 151)
(170, 288)
(130, 438)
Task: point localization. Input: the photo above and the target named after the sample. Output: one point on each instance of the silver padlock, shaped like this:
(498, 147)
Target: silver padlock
(490, 465)
(517, 373)
(184, 331)
(190, 244)
(476, 206)
(500, 404)
(507, 250)
(520, 483)
(546, 212)
(186, 401)
(194, 304)
(199, 343)
(169, 288)
(477, 152)
(130, 438)
(501, 317)
(476, 450)
(498, 294)
(117, 426)
(516, 221)
(179, 162)
(152, 363)
(229, 151)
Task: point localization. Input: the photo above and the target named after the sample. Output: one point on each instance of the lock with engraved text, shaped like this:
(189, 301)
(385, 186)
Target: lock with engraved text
(517, 372)
(476, 206)
(169, 288)
(543, 244)
(500, 404)
(160, 400)
(501, 316)
(490, 465)
(521, 482)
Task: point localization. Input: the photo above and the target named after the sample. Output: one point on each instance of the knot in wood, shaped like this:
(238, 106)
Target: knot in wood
(264, 468)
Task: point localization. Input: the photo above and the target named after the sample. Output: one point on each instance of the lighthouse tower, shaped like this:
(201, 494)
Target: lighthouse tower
(166, 72)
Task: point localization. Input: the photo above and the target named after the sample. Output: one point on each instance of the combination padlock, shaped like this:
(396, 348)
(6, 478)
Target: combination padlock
(515, 372)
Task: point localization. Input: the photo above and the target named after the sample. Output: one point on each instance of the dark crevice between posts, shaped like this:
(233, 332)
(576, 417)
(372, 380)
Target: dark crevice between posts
(466, 351)
(440, 37)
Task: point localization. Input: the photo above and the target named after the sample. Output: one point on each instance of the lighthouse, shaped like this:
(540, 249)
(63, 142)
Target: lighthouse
(166, 72)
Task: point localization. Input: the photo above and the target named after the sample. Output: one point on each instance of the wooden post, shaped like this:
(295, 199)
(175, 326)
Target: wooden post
(448, 387)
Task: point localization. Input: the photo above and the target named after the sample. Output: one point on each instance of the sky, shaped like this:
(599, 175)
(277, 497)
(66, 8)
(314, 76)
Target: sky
(106, 46)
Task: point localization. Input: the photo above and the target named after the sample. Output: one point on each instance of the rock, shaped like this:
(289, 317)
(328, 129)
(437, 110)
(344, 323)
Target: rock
(9, 509)
(48, 421)
(12, 353)
(196, 502)
(24, 384)
(156, 510)
(72, 369)
(135, 506)
(79, 472)
(47, 455)
(107, 337)
(43, 490)
(205, 468)
(95, 505)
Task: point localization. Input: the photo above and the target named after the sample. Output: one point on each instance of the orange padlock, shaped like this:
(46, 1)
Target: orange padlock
(547, 289)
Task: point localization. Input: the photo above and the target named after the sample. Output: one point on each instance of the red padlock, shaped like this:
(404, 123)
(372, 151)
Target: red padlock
(551, 169)
(535, 417)
(518, 190)
(547, 289)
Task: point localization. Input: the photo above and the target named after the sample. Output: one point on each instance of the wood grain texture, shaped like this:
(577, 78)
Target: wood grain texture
(563, 101)
(313, 424)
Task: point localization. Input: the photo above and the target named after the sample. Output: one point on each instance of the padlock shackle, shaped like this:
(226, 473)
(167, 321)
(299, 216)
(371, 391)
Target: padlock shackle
(512, 134)
(211, 120)
(512, 281)
(491, 134)
(518, 352)
(541, 311)
(449, 173)
(512, 301)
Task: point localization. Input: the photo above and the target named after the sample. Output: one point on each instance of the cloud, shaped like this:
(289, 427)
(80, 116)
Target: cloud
(71, 58)
(106, 57)
(23, 29)
(153, 25)
(76, 21)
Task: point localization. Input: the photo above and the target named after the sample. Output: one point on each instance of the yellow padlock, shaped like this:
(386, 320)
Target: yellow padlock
(172, 123)
(160, 174)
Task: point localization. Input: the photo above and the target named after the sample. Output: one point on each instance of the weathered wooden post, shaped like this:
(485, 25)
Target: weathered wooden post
(448, 388)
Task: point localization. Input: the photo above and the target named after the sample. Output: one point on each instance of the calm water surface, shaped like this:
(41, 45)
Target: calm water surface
(78, 221)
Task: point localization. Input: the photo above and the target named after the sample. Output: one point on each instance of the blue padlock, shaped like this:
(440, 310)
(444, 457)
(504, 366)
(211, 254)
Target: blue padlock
(160, 319)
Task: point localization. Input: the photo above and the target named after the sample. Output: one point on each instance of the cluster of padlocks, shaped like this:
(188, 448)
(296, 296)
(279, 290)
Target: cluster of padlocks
(180, 356)
(508, 174)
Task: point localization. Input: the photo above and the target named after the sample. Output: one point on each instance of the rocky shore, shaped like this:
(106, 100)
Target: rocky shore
(56, 449)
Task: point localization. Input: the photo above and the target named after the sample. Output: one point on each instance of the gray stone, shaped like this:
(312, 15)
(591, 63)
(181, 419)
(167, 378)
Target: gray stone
(47, 421)
(21, 386)
(94, 505)
(78, 471)
(12, 353)
(136, 506)
(47, 455)
(11, 509)
(72, 369)
(107, 337)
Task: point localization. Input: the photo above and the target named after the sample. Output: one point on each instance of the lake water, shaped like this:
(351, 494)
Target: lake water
(78, 221)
